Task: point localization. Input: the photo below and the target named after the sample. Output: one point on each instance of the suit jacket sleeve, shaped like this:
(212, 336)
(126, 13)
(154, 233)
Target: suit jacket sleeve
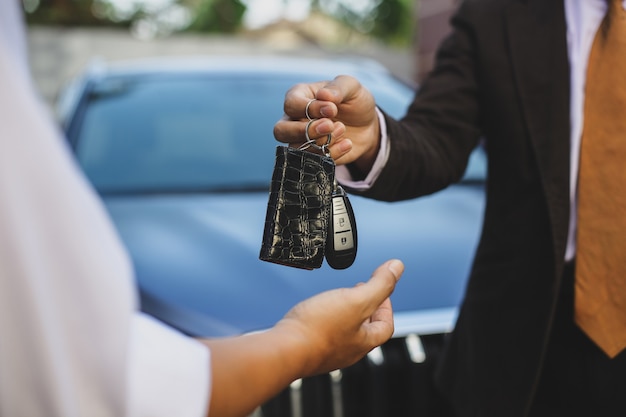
(430, 146)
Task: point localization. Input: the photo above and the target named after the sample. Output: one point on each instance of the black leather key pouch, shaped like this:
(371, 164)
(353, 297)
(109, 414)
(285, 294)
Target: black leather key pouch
(299, 209)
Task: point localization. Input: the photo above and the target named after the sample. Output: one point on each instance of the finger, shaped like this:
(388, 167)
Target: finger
(328, 97)
(300, 95)
(355, 103)
(384, 313)
(380, 327)
(318, 109)
(339, 148)
(291, 131)
(341, 89)
(320, 99)
(381, 284)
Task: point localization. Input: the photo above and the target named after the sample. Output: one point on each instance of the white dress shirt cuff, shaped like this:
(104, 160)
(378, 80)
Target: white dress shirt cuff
(343, 174)
(169, 372)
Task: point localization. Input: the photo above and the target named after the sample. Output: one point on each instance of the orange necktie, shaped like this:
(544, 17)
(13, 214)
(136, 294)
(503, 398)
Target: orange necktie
(601, 232)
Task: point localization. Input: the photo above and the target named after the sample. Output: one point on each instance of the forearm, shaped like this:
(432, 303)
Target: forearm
(422, 158)
(251, 369)
(331, 330)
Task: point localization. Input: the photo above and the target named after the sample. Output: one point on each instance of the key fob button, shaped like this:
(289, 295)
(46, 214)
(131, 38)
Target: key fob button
(341, 245)
(342, 223)
(343, 241)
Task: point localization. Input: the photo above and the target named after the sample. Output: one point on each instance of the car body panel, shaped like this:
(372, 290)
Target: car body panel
(197, 256)
(195, 249)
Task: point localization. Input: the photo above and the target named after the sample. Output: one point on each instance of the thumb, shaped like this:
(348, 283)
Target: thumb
(382, 283)
(341, 89)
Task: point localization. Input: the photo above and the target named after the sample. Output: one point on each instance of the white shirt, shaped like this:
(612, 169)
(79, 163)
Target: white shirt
(72, 342)
(583, 19)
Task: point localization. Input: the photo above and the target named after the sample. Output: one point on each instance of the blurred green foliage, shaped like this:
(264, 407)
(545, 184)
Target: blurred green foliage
(391, 21)
(388, 20)
(67, 13)
(394, 21)
(220, 16)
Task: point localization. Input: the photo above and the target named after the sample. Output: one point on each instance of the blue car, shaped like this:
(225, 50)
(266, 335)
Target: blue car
(181, 151)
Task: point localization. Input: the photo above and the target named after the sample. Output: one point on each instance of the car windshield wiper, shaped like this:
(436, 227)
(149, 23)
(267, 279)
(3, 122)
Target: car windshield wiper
(110, 89)
(218, 189)
(240, 188)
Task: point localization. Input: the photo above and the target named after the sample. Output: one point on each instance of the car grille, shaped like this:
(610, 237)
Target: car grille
(392, 380)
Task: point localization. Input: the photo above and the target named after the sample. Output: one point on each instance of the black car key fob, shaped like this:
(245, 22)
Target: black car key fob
(342, 238)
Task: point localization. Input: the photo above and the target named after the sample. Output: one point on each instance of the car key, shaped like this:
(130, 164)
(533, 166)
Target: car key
(342, 238)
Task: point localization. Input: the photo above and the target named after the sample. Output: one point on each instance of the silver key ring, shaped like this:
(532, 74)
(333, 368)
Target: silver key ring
(325, 146)
(306, 130)
(311, 143)
(306, 109)
(306, 145)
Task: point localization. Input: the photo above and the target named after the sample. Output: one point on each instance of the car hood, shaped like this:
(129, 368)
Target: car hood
(197, 266)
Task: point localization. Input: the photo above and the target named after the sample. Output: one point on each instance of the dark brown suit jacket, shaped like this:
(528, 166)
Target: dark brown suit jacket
(502, 75)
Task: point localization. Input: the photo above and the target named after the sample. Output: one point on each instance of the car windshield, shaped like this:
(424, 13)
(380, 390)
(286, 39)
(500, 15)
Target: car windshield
(191, 133)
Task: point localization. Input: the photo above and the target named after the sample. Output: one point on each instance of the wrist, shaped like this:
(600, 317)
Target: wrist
(364, 163)
(297, 348)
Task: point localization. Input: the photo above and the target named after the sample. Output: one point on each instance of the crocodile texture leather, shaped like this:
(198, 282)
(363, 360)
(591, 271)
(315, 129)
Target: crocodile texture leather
(298, 210)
